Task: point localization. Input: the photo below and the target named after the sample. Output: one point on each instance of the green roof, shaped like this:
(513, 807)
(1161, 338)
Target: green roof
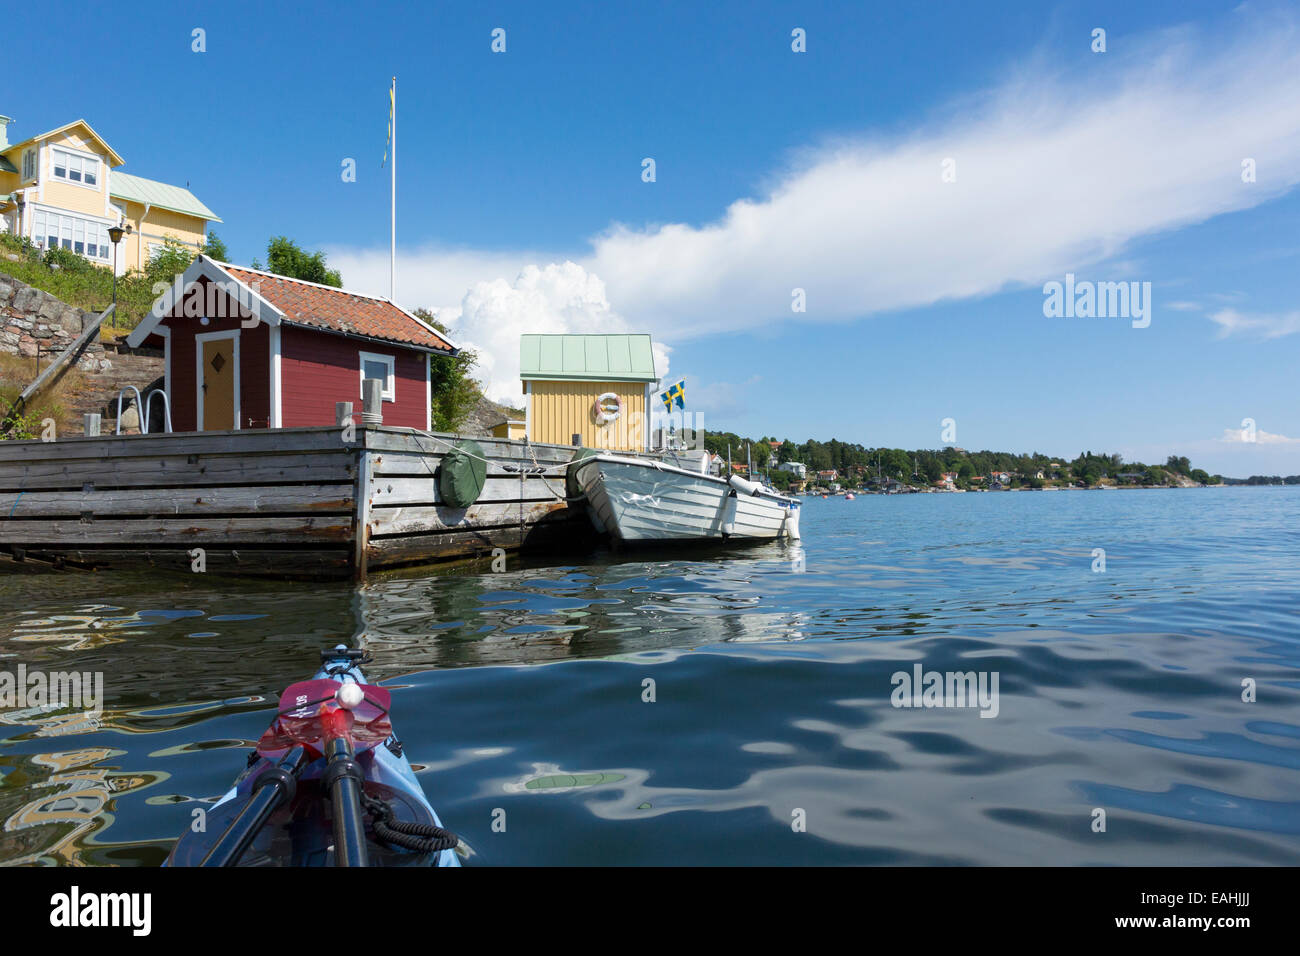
(6, 166)
(586, 358)
(159, 195)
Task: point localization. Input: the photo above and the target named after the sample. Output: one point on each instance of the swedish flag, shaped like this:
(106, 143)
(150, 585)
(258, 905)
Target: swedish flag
(675, 394)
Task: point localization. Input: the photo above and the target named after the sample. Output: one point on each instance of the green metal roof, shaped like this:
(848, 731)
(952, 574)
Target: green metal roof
(159, 195)
(6, 166)
(587, 358)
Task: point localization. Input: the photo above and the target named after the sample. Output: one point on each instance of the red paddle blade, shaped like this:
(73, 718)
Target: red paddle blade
(300, 719)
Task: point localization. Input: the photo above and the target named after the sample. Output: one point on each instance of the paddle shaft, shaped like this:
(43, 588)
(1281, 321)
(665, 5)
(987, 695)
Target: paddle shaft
(275, 787)
(345, 795)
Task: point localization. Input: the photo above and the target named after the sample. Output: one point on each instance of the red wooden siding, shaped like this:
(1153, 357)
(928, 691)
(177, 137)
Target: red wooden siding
(318, 369)
(254, 368)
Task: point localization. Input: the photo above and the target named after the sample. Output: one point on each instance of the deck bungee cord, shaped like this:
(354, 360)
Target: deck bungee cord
(328, 784)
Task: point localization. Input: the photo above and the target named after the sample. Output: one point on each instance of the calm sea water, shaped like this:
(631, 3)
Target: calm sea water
(771, 737)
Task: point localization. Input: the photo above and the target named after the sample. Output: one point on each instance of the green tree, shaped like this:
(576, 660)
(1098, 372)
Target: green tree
(214, 248)
(453, 390)
(284, 257)
(174, 258)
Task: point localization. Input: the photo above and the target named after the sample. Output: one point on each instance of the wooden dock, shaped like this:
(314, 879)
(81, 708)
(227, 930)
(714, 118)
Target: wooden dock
(294, 502)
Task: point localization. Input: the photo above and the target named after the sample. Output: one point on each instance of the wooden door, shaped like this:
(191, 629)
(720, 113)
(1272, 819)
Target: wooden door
(218, 385)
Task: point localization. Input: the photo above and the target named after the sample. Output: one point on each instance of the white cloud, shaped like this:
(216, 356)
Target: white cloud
(555, 298)
(1054, 173)
(1241, 437)
(1258, 324)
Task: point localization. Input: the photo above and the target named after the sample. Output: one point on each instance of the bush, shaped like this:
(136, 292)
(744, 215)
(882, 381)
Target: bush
(66, 260)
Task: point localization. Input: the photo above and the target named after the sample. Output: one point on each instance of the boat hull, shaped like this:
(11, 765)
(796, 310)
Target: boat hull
(643, 501)
(301, 834)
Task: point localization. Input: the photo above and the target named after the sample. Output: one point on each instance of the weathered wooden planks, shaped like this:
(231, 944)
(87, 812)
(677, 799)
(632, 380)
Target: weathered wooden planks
(177, 471)
(186, 532)
(284, 502)
(134, 502)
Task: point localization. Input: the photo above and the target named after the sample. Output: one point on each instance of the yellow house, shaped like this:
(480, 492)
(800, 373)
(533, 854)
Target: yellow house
(596, 387)
(510, 428)
(61, 188)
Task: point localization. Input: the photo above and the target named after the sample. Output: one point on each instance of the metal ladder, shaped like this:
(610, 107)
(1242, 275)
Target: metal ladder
(143, 409)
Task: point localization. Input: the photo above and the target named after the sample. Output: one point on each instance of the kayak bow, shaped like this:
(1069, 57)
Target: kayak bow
(327, 785)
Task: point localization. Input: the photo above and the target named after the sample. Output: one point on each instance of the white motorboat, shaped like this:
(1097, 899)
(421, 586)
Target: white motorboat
(650, 499)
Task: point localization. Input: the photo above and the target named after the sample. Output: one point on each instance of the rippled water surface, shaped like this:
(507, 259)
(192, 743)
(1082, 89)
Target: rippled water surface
(772, 673)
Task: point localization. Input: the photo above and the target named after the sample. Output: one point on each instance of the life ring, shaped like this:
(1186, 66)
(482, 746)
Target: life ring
(603, 414)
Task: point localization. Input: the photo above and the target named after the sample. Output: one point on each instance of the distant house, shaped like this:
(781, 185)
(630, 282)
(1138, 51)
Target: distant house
(248, 349)
(1001, 477)
(1039, 474)
(512, 428)
(795, 468)
(948, 480)
(61, 188)
(772, 458)
(828, 475)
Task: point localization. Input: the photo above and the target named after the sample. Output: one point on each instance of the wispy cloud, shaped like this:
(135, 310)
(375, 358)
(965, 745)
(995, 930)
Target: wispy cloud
(1257, 324)
(1241, 436)
(1054, 173)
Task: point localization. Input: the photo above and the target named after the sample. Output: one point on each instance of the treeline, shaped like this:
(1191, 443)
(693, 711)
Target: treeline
(1264, 480)
(930, 464)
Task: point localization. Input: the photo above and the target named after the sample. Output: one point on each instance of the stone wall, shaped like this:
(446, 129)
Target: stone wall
(30, 318)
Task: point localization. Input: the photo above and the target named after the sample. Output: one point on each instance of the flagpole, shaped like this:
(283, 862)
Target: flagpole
(392, 238)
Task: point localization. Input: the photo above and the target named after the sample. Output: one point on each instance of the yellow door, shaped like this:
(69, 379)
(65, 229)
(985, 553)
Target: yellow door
(218, 384)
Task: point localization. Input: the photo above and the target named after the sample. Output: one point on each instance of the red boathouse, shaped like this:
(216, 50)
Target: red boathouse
(248, 349)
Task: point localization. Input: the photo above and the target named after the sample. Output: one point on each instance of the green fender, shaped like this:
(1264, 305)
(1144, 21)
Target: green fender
(463, 474)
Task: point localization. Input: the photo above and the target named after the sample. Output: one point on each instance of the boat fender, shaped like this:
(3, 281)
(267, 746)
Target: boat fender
(462, 474)
(744, 487)
(571, 487)
(602, 410)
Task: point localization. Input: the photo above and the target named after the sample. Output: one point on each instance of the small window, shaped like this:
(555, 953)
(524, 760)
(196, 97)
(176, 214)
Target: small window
(29, 164)
(378, 366)
(75, 168)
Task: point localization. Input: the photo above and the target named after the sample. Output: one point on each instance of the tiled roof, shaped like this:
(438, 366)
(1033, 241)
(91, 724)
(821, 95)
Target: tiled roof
(337, 310)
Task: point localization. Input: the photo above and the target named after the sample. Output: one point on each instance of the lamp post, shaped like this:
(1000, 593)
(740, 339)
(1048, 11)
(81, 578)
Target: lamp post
(115, 234)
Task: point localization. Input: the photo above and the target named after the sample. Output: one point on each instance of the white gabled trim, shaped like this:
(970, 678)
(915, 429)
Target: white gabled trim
(360, 295)
(166, 334)
(276, 379)
(209, 268)
(198, 373)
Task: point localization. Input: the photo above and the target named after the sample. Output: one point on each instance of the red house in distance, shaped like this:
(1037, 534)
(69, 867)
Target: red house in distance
(248, 349)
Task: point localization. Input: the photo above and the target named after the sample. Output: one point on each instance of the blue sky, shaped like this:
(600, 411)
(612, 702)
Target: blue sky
(775, 170)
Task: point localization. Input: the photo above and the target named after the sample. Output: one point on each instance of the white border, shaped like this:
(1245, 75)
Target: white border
(389, 392)
(276, 378)
(198, 373)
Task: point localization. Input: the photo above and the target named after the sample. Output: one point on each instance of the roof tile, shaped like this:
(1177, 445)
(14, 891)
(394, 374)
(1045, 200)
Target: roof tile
(337, 310)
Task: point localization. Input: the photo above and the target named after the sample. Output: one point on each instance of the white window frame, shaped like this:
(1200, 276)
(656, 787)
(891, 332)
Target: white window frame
(389, 391)
(82, 160)
(198, 373)
(45, 218)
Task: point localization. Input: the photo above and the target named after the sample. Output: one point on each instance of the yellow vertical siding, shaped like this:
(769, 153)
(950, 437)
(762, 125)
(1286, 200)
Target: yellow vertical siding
(556, 410)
